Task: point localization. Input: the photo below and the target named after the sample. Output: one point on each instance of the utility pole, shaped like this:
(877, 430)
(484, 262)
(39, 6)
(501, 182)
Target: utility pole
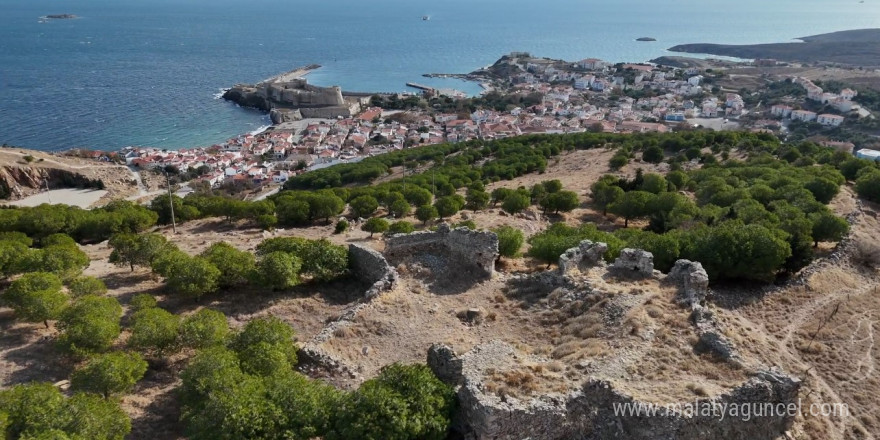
(171, 203)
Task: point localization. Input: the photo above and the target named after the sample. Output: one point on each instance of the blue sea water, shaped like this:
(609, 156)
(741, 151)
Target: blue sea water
(137, 72)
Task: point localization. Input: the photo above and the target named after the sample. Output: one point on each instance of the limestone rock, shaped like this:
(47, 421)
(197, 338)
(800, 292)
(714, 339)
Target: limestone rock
(692, 280)
(634, 263)
(585, 256)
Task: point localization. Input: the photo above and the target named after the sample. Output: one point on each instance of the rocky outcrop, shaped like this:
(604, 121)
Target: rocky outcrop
(692, 281)
(583, 257)
(633, 263)
(17, 182)
(594, 410)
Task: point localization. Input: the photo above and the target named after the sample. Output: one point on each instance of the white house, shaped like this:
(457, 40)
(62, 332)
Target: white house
(865, 153)
(803, 115)
(591, 64)
(843, 105)
(695, 80)
(848, 94)
(830, 120)
(780, 111)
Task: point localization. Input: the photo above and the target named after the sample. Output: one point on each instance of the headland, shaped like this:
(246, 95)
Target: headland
(860, 48)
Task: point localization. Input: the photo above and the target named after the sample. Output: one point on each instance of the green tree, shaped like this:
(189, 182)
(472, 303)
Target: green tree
(192, 277)
(605, 194)
(108, 374)
(266, 332)
(203, 329)
(292, 212)
(633, 204)
(510, 241)
(36, 297)
(868, 186)
(823, 189)
(653, 183)
(14, 257)
(93, 417)
(279, 270)
(136, 250)
(142, 301)
(515, 202)
(828, 227)
(341, 226)
(447, 206)
(374, 225)
(653, 154)
(401, 227)
(733, 250)
(65, 261)
(552, 186)
(154, 330)
(499, 194)
(364, 206)
(400, 208)
(32, 408)
(86, 285)
(403, 402)
(564, 201)
(309, 406)
(477, 200)
(90, 324)
(325, 205)
(426, 213)
(235, 266)
(417, 196)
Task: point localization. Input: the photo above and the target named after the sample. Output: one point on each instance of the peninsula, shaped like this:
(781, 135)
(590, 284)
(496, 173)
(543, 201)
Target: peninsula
(289, 97)
(860, 47)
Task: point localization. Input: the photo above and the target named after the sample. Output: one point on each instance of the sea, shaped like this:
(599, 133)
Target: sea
(149, 72)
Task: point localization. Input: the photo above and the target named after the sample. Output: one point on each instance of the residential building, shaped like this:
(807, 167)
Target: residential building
(803, 115)
(829, 120)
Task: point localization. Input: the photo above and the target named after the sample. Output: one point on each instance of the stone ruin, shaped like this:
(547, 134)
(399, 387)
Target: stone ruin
(474, 252)
(587, 411)
(633, 263)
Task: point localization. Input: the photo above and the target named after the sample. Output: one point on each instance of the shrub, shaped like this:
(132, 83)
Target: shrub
(868, 186)
(268, 332)
(341, 226)
(364, 206)
(39, 410)
(108, 374)
(279, 270)
(510, 241)
(90, 324)
(401, 227)
(136, 250)
(733, 250)
(154, 330)
(192, 276)
(403, 402)
(142, 301)
(235, 266)
(203, 329)
(426, 213)
(549, 244)
(85, 285)
(515, 202)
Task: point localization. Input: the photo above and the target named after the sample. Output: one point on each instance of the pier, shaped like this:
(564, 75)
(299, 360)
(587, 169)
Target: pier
(420, 86)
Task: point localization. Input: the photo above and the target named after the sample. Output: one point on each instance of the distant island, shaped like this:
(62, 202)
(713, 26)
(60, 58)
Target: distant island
(646, 39)
(859, 47)
(59, 16)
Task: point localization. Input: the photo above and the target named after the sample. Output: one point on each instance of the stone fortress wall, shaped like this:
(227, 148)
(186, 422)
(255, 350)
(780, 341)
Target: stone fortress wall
(476, 249)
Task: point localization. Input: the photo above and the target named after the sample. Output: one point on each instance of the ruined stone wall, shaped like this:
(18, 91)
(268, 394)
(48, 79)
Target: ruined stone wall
(367, 264)
(477, 248)
(588, 413)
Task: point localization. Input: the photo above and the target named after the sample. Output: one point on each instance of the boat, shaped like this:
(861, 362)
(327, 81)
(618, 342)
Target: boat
(426, 17)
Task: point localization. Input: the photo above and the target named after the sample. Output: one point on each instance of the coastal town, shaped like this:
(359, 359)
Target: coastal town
(555, 97)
